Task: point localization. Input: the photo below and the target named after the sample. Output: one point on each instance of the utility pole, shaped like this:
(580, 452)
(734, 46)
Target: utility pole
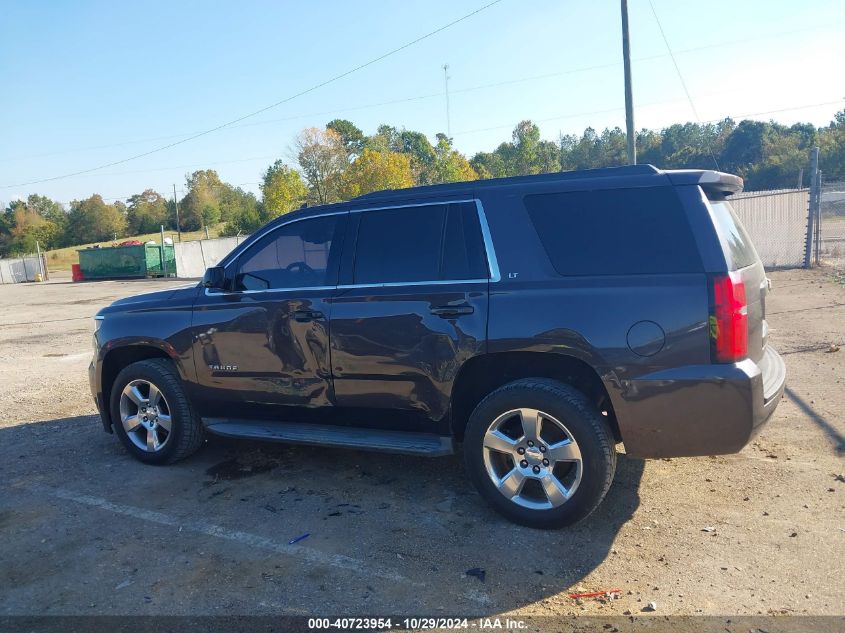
(629, 99)
(176, 203)
(448, 117)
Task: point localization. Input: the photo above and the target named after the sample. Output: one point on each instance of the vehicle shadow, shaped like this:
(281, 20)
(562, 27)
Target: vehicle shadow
(417, 517)
(835, 436)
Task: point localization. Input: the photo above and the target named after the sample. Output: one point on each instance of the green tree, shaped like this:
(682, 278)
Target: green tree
(92, 220)
(201, 205)
(386, 139)
(240, 210)
(525, 157)
(489, 165)
(282, 189)
(350, 135)
(831, 141)
(419, 148)
(449, 165)
(146, 212)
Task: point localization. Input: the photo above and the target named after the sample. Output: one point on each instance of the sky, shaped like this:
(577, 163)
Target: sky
(88, 83)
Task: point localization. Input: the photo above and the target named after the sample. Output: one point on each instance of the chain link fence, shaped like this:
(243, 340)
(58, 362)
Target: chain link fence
(776, 221)
(831, 232)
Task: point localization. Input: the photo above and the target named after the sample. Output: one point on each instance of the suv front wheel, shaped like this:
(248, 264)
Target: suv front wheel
(152, 415)
(540, 453)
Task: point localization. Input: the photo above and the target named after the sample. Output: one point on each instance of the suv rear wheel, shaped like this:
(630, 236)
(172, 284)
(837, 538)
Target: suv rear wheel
(540, 453)
(151, 414)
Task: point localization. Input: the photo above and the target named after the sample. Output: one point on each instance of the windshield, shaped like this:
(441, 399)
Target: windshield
(738, 247)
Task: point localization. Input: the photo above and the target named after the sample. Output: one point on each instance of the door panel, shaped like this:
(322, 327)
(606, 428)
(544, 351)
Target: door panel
(391, 350)
(262, 349)
(263, 341)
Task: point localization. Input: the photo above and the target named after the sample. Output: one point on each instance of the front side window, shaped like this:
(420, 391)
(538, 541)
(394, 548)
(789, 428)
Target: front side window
(437, 242)
(297, 255)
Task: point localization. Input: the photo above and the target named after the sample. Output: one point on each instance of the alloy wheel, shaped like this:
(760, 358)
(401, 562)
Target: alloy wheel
(145, 415)
(532, 459)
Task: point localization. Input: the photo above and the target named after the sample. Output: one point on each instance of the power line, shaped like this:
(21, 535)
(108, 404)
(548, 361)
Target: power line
(705, 140)
(269, 107)
(452, 91)
(497, 127)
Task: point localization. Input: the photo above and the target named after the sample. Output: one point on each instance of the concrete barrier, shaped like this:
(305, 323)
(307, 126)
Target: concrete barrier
(20, 269)
(192, 258)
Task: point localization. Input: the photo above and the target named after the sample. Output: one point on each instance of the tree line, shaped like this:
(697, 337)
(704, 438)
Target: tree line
(340, 162)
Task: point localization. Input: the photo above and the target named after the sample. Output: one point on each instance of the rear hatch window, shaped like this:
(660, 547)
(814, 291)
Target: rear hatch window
(738, 248)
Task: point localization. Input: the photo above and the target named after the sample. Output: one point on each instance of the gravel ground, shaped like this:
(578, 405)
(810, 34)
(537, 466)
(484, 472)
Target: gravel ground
(88, 530)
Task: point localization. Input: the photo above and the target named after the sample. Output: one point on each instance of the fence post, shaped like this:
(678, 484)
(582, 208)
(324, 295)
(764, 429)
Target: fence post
(819, 219)
(811, 212)
(163, 259)
(40, 261)
(202, 255)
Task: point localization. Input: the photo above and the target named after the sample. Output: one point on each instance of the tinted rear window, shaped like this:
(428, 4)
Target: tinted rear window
(463, 247)
(739, 249)
(400, 245)
(615, 232)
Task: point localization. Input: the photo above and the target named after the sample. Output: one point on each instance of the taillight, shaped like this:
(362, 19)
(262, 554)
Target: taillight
(728, 319)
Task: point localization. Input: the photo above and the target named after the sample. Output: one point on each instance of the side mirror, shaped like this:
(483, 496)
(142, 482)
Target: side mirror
(214, 277)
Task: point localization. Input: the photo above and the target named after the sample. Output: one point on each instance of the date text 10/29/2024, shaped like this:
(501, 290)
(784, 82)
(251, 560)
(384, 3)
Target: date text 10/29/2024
(483, 624)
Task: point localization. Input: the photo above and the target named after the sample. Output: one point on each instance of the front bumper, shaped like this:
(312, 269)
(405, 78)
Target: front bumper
(699, 409)
(94, 383)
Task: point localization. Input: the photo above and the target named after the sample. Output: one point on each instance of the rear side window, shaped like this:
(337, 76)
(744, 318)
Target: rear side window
(399, 245)
(416, 244)
(463, 248)
(738, 246)
(615, 232)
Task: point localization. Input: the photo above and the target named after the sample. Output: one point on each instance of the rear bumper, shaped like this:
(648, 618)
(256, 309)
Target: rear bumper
(699, 409)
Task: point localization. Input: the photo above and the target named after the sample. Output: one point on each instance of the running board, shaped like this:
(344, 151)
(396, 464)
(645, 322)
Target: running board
(427, 444)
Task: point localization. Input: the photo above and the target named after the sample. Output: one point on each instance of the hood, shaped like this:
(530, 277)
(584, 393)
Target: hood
(154, 299)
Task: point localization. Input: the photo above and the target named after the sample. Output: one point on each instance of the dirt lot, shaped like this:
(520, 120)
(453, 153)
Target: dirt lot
(88, 530)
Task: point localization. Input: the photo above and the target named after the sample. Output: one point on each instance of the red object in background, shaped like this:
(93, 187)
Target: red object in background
(130, 243)
(76, 272)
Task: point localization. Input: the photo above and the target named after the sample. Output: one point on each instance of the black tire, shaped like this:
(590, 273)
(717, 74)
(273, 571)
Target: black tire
(587, 427)
(187, 432)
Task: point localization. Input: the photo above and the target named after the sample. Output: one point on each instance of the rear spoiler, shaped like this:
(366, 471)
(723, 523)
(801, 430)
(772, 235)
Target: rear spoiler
(709, 180)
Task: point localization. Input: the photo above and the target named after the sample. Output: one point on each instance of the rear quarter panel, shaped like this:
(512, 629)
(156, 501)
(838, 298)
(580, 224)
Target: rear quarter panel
(533, 308)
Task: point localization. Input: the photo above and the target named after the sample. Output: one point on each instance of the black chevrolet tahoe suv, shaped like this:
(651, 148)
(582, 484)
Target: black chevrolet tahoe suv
(532, 323)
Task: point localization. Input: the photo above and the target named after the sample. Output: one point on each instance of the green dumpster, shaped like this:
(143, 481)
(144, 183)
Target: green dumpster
(121, 262)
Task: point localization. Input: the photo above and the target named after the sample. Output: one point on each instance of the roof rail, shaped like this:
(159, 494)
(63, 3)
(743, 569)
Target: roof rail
(583, 174)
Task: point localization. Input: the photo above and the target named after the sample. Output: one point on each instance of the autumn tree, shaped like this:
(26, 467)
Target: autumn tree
(375, 171)
(322, 158)
(282, 189)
